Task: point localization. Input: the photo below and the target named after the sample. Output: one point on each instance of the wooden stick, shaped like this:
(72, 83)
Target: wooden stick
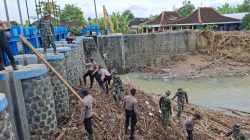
(26, 42)
(61, 134)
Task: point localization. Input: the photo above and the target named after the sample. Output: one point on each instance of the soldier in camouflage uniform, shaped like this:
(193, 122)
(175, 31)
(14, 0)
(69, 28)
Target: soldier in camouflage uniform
(182, 96)
(236, 133)
(166, 110)
(117, 83)
(46, 29)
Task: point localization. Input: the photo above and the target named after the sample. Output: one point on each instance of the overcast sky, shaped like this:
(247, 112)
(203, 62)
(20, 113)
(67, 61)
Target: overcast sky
(140, 8)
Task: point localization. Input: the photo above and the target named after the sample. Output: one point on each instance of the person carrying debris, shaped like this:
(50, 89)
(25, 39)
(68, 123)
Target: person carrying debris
(106, 77)
(189, 124)
(117, 83)
(166, 109)
(236, 133)
(87, 112)
(92, 71)
(131, 111)
(181, 97)
(46, 29)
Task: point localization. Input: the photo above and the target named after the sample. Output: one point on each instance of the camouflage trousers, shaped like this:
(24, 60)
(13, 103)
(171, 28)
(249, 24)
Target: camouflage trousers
(118, 94)
(48, 40)
(180, 109)
(165, 117)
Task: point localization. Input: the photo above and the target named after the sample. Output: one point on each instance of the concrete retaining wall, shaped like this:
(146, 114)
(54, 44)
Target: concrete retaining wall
(127, 51)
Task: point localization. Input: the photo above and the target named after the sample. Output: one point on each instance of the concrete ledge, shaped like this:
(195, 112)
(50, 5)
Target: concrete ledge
(3, 102)
(3, 75)
(58, 50)
(29, 71)
(30, 58)
(52, 56)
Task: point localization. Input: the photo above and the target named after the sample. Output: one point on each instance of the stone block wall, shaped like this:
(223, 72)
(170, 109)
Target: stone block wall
(6, 132)
(74, 64)
(91, 51)
(59, 90)
(40, 107)
(128, 51)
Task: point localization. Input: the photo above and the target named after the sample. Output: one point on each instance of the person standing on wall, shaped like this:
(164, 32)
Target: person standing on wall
(4, 47)
(92, 67)
(106, 78)
(131, 111)
(87, 112)
(46, 29)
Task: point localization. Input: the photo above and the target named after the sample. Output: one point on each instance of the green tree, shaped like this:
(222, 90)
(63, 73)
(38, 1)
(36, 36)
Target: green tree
(49, 7)
(72, 13)
(186, 9)
(246, 22)
(152, 17)
(129, 13)
(245, 7)
(226, 9)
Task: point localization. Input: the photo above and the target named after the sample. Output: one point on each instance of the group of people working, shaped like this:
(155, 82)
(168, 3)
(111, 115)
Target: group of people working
(188, 126)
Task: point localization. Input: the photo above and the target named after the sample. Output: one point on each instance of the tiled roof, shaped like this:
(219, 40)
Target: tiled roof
(165, 17)
(204, 15)
(137, 21)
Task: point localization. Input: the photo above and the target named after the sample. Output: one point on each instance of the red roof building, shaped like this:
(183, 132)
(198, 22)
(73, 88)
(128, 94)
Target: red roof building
(198, 19)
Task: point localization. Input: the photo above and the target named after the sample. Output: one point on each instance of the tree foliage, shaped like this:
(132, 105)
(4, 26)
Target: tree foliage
(129, 13)
(72, 13)
(186, 9)
(245, 7)
(246, 22)
(226, 9)
(49, 7)
(152, 17)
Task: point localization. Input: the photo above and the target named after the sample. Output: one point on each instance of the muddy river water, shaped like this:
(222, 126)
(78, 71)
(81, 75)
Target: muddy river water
(233, 93)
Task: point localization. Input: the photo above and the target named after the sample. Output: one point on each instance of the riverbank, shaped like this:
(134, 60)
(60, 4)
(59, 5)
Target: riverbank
(213, 125)
(194, 66)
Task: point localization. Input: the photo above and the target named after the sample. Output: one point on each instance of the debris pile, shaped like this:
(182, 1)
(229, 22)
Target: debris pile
(234, 45)
(149, 125)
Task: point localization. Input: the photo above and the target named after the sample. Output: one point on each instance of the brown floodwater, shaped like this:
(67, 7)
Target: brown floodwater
(232, 93)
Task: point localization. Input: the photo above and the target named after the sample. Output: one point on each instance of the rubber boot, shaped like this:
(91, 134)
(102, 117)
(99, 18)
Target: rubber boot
(2, 67)
(91, 137)
(126, 131)
(14, 66)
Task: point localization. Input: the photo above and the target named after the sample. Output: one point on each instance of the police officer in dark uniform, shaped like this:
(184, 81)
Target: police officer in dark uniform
(4, 46)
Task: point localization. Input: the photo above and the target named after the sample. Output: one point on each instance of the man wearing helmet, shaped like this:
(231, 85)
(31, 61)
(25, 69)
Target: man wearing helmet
(236, 133)
(166, 110)
(46, 29)
(181, 97)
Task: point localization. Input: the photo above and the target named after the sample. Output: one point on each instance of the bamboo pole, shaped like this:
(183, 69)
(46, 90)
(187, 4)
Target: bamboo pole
(25, 41)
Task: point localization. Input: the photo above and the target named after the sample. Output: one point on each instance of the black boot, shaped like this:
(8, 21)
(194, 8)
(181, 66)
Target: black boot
(126, 131)
(14, 66)
(2, 67)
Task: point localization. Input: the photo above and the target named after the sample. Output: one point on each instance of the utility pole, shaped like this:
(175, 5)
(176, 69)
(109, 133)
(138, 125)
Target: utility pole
(6, 11)
(27, 8)
(96, 13)
(20, 13)
(36, 10)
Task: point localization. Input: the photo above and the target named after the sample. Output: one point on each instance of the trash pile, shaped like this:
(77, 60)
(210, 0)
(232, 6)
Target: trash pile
(149, 125)
(234, 45)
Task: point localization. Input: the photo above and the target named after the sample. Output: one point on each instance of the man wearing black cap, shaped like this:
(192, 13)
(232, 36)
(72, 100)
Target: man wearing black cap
(4, 46)
(131, 111)
(92, 71)
(189, 124)
(87, 112)
(236, 133)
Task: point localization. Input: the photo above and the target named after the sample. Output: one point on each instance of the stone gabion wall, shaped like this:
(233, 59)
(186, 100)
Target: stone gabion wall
(139, 50)
(40, 107)
(59, 90)
(74, 64)
(91, 51)
(6, 131)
